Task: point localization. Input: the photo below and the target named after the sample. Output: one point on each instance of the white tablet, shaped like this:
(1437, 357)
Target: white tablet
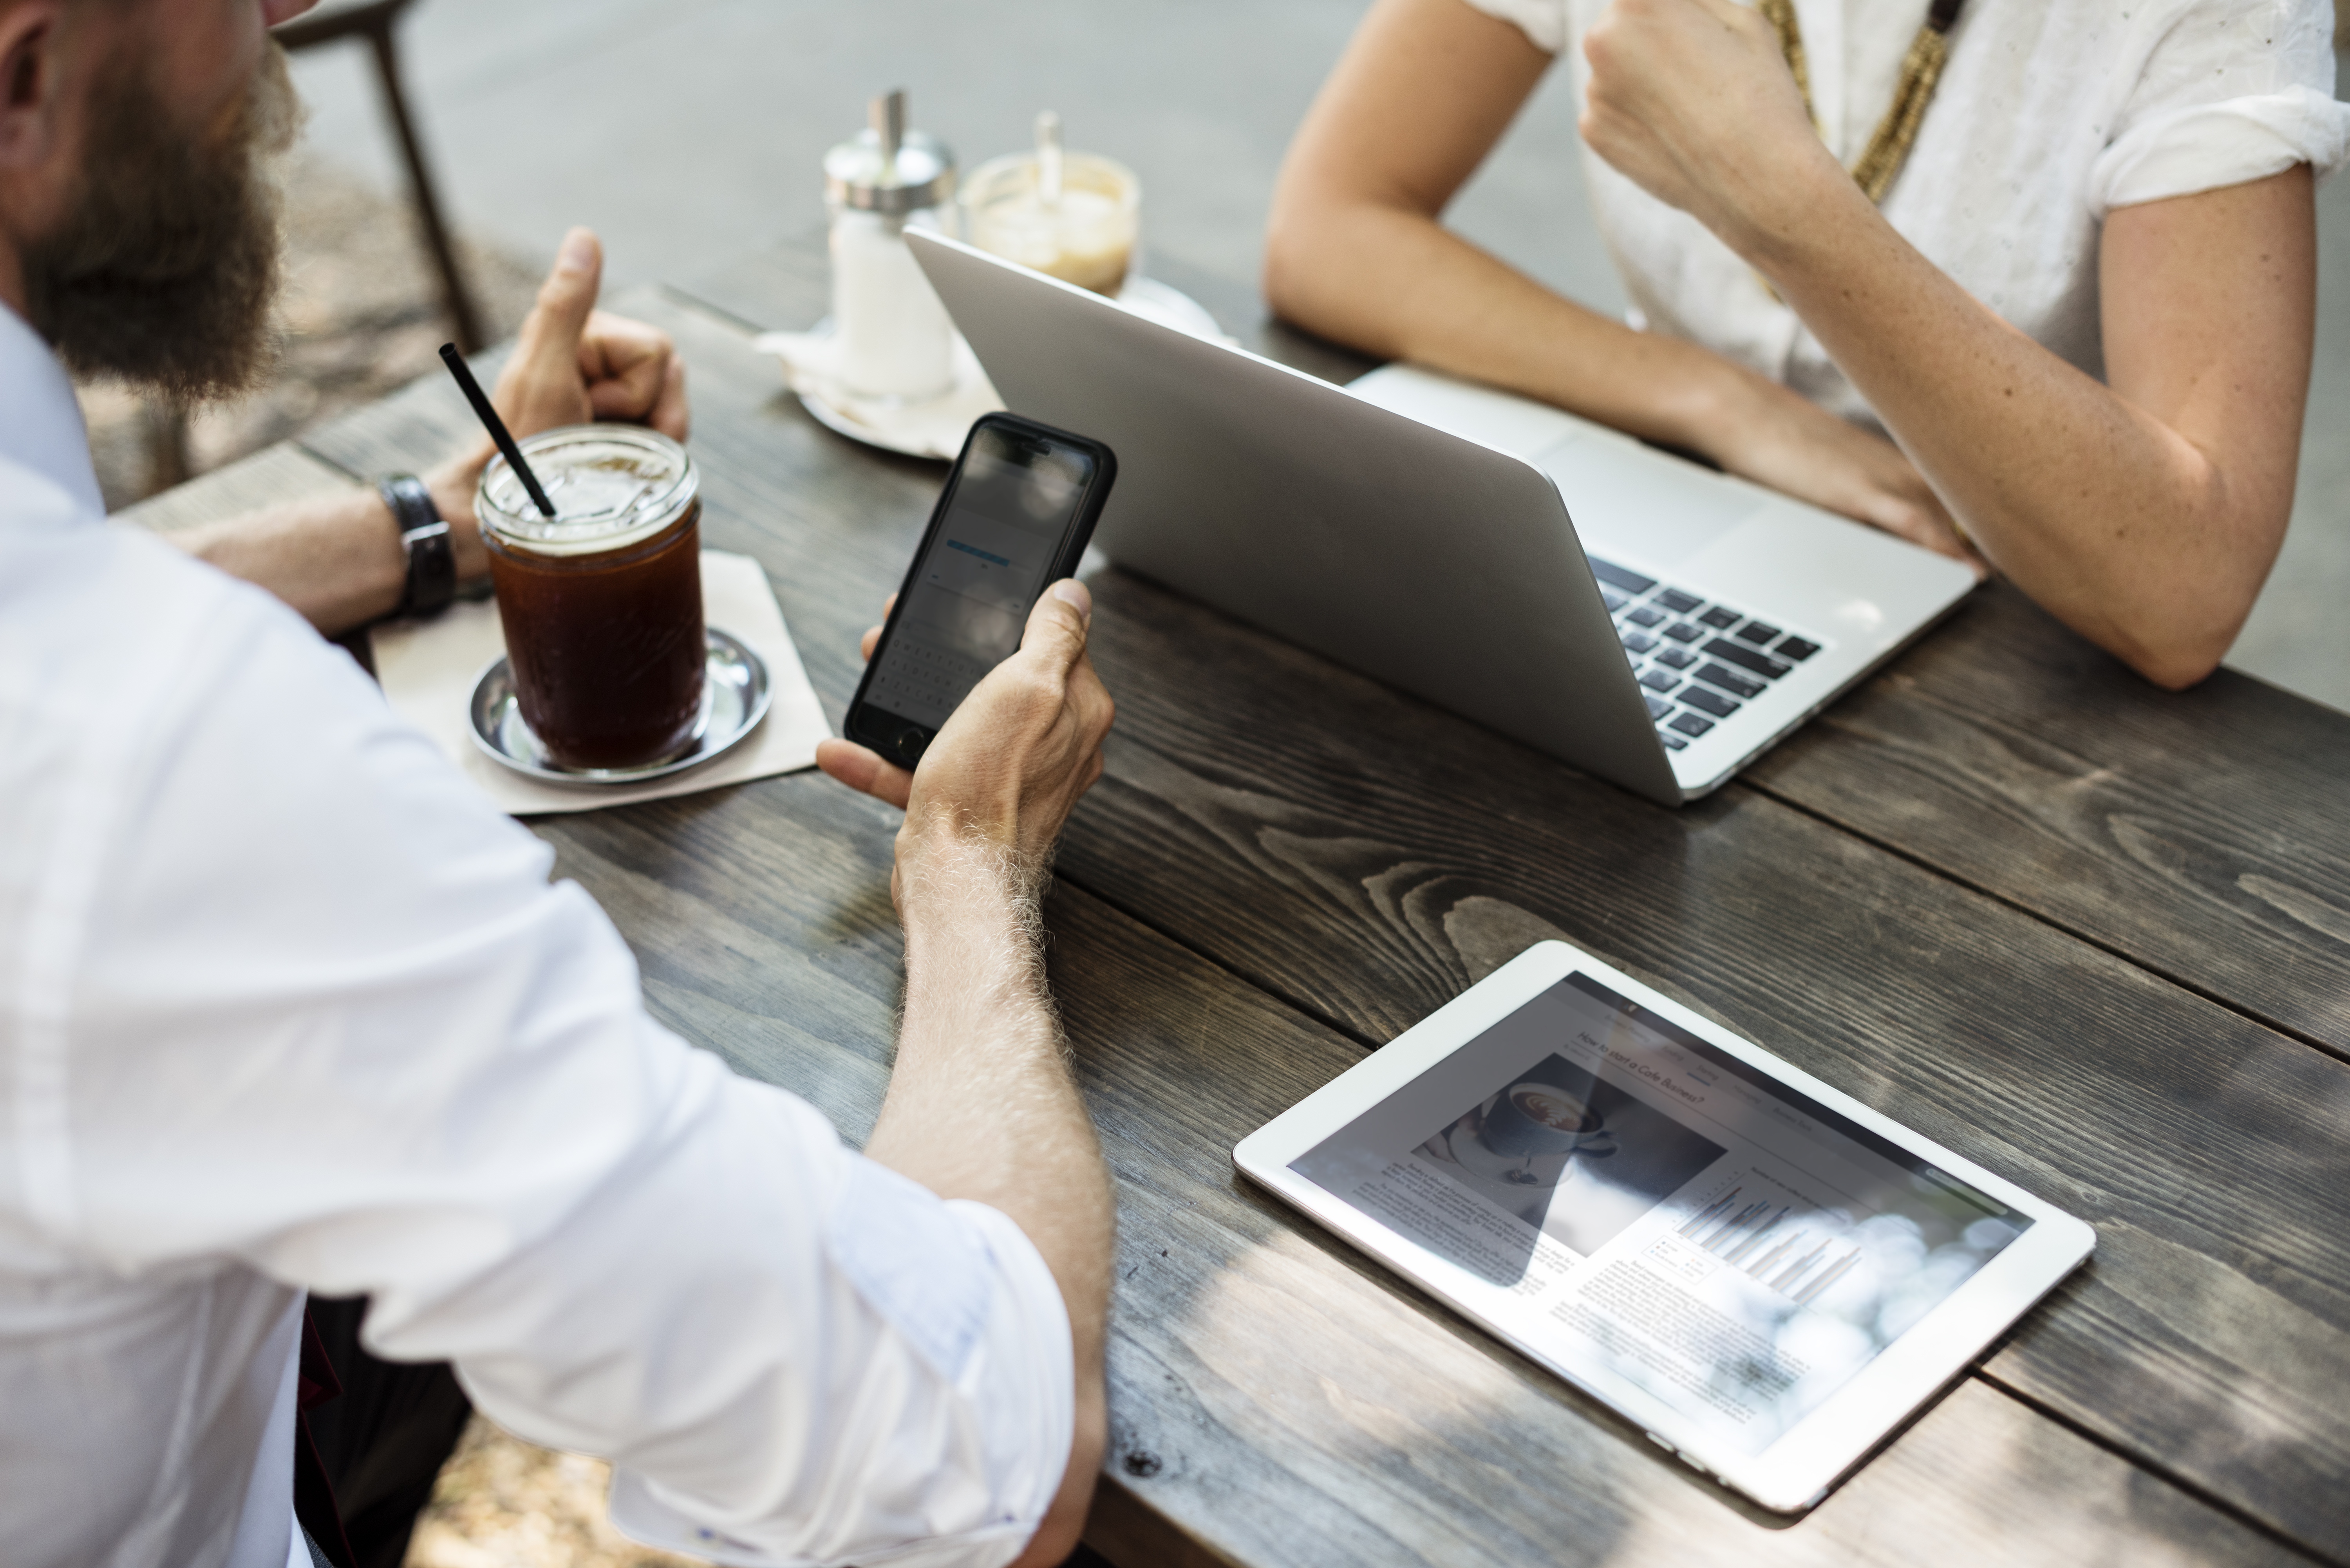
(1765, 1274)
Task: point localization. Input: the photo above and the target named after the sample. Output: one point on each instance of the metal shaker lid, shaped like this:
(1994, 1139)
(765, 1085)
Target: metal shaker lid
(886, 168)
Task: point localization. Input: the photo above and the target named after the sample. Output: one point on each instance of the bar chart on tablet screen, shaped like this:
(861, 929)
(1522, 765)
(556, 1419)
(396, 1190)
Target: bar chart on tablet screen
(1880, 1257)
(1764, 1237)
(1794, 1243)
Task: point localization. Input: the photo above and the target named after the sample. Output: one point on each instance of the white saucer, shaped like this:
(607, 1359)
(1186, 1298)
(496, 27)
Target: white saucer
(936, 427)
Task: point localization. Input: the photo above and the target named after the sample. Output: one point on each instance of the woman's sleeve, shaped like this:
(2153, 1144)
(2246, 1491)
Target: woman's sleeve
(1542, 21)
(2232, 91)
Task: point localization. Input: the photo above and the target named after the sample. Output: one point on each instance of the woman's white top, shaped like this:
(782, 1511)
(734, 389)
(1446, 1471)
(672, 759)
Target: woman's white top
(286, 1004)
(2050, 114)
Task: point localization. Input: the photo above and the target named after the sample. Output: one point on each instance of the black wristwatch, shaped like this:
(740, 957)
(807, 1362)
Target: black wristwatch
(432, 559)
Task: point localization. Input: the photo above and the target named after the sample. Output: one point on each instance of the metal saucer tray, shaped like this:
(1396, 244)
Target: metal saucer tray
(734, 697)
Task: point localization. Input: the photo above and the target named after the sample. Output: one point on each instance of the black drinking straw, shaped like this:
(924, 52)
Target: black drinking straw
(494, 425)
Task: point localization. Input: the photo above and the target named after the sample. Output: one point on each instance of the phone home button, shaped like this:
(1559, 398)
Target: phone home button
(910, 741)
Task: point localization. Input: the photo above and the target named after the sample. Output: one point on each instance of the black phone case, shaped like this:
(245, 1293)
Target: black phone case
(901, 741)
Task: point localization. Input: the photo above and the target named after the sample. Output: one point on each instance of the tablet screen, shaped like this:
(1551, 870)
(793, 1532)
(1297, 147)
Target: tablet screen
(1647, 1207)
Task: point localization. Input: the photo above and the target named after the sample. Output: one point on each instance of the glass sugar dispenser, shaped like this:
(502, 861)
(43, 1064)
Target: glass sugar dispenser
(894, 340)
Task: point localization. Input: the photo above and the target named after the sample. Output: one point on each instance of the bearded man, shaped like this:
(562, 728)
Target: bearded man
(289, 1008)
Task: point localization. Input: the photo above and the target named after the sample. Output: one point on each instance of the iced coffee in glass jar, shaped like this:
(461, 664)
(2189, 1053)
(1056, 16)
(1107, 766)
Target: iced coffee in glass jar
(602, 602)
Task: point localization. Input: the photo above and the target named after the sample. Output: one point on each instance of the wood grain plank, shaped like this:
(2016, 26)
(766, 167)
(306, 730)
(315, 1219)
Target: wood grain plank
(1365, 856)
(423, 423)
(275, 474)
(780, 288)
(2201, 833)
(1275, 1400)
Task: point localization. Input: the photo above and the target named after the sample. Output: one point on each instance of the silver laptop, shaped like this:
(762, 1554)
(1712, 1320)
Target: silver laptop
(1433, 534)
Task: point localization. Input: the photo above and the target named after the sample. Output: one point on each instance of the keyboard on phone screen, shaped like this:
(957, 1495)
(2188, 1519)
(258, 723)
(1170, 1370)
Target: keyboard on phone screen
(924, 682)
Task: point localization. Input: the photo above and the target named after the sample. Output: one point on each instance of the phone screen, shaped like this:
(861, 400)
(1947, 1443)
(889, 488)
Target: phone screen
(1013, 498)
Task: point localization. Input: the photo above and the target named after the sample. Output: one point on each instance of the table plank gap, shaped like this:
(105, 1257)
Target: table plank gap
(1292, 819)
(709, 310)
(2138, 961)
(2193, 831)
(275, 474)
(2169, 1477)
(1264, 985)
(1394, 1431)
(2198, 832)
(1980, 1371)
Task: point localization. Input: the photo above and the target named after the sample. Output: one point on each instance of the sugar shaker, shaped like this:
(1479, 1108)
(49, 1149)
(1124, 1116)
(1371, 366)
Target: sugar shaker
(895, 339)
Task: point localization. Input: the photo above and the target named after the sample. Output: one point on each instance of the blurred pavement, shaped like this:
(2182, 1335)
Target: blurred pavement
(685, 130)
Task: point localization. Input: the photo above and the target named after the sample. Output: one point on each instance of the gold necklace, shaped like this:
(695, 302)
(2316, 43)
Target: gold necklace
(1921, 72)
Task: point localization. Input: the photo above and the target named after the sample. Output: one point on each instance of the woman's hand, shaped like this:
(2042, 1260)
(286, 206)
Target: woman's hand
(2143, 510)
(1692, 101)
(1780, 439)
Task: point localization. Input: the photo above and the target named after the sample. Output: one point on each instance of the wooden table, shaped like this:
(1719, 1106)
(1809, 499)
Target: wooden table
(2094, 936)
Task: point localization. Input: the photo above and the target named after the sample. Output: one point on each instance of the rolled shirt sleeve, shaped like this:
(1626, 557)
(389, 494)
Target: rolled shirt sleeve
(1544, 22)
(2233, 91)
(331, 1021)
(969, 1461)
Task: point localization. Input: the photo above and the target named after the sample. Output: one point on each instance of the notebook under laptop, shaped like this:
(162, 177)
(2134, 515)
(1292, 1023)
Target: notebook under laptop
(1433, 533)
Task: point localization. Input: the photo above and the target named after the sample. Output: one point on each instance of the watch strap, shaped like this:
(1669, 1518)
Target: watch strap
(424, 536)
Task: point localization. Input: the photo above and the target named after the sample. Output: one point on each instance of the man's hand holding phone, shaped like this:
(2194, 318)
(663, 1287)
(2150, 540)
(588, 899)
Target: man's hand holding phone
(987, 743)
(1011, 762)
(981, 1104)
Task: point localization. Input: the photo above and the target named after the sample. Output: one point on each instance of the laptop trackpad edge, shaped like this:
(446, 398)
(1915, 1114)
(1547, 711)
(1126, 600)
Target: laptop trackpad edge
(1649, 507)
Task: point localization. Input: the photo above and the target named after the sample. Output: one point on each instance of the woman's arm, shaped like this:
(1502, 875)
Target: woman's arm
(1354, 251)
(2144, 512)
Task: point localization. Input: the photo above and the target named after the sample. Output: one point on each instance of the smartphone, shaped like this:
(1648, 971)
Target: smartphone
(1013, 520)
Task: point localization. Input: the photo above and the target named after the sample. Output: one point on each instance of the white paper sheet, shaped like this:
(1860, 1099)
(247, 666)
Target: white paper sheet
(429, 668)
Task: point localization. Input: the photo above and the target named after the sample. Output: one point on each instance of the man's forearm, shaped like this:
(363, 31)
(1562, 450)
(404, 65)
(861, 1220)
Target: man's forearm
(981, 1104)
(336, 559)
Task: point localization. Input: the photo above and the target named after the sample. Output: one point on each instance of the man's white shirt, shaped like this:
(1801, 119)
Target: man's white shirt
(286, 1006)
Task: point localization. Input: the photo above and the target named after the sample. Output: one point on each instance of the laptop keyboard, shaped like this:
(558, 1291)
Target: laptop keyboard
(1699, 662)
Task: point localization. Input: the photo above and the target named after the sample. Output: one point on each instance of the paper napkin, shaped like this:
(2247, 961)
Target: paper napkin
(428, 669)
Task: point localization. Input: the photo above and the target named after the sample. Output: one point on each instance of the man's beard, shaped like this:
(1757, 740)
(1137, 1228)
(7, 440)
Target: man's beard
(163, 272)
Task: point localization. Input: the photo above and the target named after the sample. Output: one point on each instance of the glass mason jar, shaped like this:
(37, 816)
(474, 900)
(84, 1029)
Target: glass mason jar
(602, 602)
(1083, 230)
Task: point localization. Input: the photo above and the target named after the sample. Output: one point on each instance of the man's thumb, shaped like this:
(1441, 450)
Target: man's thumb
(1056, 626)
(568, 294)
